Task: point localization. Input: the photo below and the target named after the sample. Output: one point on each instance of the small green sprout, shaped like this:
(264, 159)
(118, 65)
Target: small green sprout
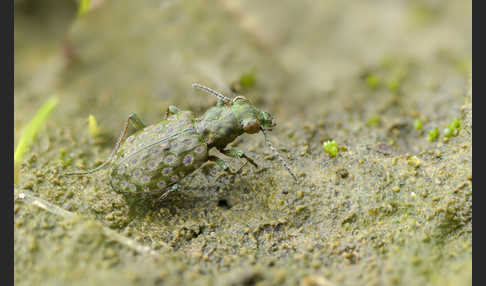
(374, 120)
(330, 147)
(422, 15)
(30, 131)
(393, 85)
(83, 7)
(94, 129)
(372, 80)
(247, 80)
(417, 124)
(63, 158)
(433, 134)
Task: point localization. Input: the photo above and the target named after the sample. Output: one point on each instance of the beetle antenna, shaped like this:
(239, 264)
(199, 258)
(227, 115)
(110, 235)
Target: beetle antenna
(217, 94)
(277, 154)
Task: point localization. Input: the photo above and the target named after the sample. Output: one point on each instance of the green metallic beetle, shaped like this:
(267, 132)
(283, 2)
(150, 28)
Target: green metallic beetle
(155, 158)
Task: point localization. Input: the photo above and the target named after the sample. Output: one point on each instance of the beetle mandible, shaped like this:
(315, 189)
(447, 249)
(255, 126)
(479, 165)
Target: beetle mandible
(155, 158)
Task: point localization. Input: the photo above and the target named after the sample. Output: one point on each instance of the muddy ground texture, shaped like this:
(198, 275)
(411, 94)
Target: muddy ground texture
(391, 208)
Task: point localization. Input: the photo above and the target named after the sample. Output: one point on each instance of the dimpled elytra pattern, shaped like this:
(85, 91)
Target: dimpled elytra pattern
(156, 157)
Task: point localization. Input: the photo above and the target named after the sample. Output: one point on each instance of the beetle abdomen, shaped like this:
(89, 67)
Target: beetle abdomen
(158, 156)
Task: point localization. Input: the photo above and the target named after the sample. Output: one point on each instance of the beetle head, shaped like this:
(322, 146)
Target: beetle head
(252, 119)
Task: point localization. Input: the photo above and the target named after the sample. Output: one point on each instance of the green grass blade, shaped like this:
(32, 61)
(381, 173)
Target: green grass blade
(30, 131)
(83, 7)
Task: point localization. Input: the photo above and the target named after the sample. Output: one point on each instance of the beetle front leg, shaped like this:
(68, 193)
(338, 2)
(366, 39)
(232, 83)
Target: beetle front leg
(235, 153)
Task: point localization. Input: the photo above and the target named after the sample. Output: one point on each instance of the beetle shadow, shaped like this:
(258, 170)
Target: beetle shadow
(199, 193)
(176, 203)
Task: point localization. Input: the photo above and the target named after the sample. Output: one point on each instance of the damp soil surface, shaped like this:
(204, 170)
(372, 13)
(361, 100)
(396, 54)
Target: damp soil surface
(392, 207)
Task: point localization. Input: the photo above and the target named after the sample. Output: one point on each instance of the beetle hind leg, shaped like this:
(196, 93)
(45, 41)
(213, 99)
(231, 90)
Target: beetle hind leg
(136, 122)
(171, 189)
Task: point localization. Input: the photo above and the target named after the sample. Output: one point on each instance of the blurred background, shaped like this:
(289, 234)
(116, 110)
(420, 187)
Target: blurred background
(358, 72)
(118, 58)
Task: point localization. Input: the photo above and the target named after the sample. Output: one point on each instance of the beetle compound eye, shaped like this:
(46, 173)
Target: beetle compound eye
(252, 126)
(240, 99)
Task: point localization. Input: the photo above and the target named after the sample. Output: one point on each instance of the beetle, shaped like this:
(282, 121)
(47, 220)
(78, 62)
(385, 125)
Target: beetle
(154, 159)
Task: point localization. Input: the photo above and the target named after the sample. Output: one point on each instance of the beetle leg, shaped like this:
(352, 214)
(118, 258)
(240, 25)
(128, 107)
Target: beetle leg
(171, 189)
(136, 121)
(235, 153)
(171, 110)
(221, 163)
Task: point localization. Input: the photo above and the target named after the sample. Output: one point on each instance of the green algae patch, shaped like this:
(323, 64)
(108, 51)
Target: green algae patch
(417, 124)
(452, 128)
(331, 147)
(433, 134)
(374, 120)
(372, 81)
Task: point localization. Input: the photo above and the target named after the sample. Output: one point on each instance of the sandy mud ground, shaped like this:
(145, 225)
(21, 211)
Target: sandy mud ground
(390, 208)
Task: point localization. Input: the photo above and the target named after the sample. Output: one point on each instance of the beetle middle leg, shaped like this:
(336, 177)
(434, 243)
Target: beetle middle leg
(235, 153)
(223, 165)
